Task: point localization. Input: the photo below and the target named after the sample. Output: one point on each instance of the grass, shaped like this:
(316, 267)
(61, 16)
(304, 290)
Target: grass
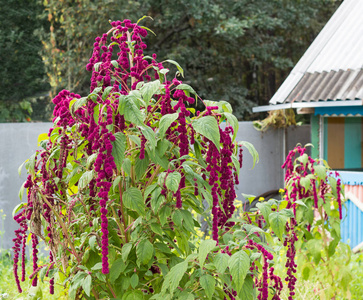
(305, 289)
(8, 288)
(318, 283)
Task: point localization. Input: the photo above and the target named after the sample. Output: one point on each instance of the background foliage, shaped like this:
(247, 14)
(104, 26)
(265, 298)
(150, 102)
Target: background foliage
(238, 51)
(23, 78)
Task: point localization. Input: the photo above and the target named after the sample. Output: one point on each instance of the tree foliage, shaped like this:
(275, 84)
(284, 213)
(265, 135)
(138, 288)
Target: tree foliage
(22, 72)
(237, 51)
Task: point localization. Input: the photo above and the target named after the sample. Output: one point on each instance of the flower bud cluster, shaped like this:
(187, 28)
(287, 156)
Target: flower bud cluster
(262, 282)
(227, 177)
(339, 188)
(213, 160)
(19, 245)
(290, 263)
(35, 257)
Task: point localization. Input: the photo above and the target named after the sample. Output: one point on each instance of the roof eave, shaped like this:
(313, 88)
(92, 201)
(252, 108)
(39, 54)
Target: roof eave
(307, 105)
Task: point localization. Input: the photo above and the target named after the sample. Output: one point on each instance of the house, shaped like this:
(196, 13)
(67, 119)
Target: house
(327, 83)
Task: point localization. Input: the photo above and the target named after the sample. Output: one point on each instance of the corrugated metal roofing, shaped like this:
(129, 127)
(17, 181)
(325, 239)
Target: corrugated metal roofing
(331, 68)
(341, 85)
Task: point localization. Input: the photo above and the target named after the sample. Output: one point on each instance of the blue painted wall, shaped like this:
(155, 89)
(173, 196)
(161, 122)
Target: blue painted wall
(351, 226)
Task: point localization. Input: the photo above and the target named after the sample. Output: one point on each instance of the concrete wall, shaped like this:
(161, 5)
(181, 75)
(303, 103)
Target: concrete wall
(267, 174)
(19, 142)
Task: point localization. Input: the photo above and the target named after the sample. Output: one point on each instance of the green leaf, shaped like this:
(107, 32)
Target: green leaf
(208, 127)
(223, 106)
(42, 137)
(178, 219)
(277, 223)
(252, 150)
(332, 246)
(303, 158)
(320, 170)
(208, 284)
(149, 89)
(165, 123)
(96, 113)
(21, 192)
(135, 139)
(314, 246)
(300, 203)
(106, 92)
(75, 105)
(221, 262)
(164, 213)
(115, 63)
(126, 166)
(306, 272)
(116, 269)
(30, 165)
(187, 88)
(172, 181)
(180, 69)
(91, 159)
(239, 264)
(251, 229)
(149, 189)
(332, 183)
(125, 251)
(309, 215)
(265, 209)
(287, 212)
(205, 248)
(118, 149)
(21, 166)
(85, 179)
(234, 123)
(148, 29)
(116, 181)
(156, 200)
(86, 285)
(18, 208)
(185, 295)
(141, 166)
(155, 227)
(97, 266)
(247, 292)
(142, 18)
(188, 220)
(144, 251)
(92, 241)
(305, 182)
(132, 199)
(174, 276)
(149, 134)
(134, 280)
(131, 112)
(75, 176)
(133, 295)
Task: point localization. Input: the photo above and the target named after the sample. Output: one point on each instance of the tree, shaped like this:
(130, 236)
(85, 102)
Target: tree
(238, 51)
(22, 71)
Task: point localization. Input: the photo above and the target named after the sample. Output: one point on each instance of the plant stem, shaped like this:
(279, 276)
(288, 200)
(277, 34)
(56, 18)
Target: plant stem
(111, 290)
(122, 210)
(64, 229)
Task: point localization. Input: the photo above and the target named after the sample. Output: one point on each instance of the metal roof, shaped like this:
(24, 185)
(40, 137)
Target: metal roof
(324, 86)
(332, 67)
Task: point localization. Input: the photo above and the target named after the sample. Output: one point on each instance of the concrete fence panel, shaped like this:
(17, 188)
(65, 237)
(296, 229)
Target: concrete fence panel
(19, 142)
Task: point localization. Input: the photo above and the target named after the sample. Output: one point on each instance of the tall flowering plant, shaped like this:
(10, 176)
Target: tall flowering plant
(315, 194)
(122, 174)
